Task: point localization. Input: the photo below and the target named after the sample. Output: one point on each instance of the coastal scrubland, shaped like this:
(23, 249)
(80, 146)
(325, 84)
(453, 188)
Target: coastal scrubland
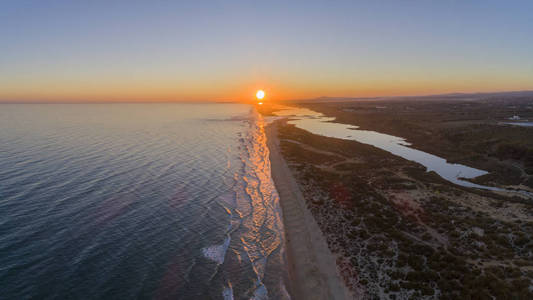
(401, 232)
(476, 132)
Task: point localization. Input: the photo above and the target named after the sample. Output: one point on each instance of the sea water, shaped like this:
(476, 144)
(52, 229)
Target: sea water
(124, 201)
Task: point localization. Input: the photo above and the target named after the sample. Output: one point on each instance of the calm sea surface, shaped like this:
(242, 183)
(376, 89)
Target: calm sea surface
(124, 201)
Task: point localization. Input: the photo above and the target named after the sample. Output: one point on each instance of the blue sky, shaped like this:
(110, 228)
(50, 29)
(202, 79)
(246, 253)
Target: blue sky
(150, 50)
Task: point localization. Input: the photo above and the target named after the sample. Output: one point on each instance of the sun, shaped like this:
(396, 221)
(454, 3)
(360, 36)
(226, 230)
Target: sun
(260, 94)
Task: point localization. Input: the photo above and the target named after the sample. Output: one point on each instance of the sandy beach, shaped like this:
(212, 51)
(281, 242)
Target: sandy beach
(312, 267)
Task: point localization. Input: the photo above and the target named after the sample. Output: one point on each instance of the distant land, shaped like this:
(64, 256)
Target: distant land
(448, 96)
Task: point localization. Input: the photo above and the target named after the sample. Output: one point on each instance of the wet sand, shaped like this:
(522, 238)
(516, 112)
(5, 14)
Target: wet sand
(312, 267)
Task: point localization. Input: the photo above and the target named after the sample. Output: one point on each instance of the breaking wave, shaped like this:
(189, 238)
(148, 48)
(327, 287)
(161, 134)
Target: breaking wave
(255, 232)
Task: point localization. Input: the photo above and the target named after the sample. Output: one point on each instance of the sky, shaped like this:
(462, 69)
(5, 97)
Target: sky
(226, 50)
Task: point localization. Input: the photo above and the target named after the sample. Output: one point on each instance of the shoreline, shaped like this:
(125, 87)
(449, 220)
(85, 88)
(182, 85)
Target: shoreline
(312, 267)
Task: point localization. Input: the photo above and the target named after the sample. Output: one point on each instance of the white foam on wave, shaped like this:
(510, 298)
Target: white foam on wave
(256, 229)
(217, 253)
(259, 266)
(260, 292)
(227, 293)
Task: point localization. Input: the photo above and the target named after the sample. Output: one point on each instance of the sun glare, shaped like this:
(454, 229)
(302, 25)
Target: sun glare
(260, 94)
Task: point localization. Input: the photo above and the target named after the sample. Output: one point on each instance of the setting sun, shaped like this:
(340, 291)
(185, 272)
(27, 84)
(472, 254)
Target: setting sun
(260, 94)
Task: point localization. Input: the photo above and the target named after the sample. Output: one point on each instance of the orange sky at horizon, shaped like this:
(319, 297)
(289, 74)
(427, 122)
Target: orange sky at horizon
(66, 90)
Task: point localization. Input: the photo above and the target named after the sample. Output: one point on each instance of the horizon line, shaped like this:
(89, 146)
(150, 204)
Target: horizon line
(2, 101)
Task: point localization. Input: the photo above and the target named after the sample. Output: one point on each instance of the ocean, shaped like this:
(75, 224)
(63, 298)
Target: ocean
(138, 201)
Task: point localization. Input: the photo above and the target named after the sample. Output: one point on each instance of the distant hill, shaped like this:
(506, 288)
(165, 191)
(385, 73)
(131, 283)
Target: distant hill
(450, 96)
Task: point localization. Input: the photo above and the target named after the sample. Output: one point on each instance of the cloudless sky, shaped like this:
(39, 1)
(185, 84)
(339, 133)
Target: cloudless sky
(226, 50)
